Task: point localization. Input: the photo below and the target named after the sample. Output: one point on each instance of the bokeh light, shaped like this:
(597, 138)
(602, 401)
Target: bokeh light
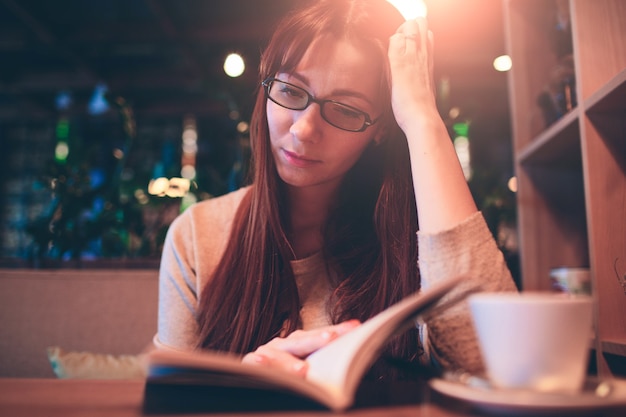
(502, 63)
(234, 65)
(410, 9)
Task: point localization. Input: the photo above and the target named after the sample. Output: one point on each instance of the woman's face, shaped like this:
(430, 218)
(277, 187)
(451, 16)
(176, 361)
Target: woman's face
(307, 150)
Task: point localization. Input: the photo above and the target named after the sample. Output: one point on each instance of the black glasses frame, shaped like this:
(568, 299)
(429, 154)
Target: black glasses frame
(367, 120)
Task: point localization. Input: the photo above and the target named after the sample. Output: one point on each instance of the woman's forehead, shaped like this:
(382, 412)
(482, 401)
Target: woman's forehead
(342, 59)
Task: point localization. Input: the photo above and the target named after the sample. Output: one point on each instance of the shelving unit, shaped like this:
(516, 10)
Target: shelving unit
(572, 172)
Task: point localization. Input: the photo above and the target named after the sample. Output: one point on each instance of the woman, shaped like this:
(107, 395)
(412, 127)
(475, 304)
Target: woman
(348, 152)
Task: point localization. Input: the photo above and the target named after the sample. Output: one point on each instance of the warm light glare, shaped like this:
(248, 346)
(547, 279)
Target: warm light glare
(190, 134)
(462, 148)
(410, 9)
(512, 184)
(502, 63)
(174, 187)
(61, 151)
(190, 148)
(242, 127)
(234, 115)
(234, 65)
(454, 112)
(178, 187)
(159, 186)
(141, 197)
(188, 172)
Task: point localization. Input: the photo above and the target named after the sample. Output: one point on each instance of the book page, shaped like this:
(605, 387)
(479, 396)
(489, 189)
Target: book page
(341, 365)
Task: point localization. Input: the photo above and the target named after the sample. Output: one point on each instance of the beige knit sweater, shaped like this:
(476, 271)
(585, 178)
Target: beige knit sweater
(197, 238)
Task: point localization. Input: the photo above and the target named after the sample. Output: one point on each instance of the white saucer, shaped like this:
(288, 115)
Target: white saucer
(522, 401)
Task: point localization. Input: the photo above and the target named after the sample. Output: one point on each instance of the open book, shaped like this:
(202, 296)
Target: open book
(178, 382)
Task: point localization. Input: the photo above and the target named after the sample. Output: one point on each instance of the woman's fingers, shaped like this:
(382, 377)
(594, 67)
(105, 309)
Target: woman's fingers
(411, 55)
(277, 359)
(302, 343)
(411, 65)
(410, 34)
(288, 353)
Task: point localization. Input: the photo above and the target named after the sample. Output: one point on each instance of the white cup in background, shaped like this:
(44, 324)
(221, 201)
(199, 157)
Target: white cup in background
(571, 280)
(536, 341)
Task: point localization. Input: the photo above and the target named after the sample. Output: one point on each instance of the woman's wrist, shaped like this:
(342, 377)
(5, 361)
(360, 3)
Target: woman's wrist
(424, 129)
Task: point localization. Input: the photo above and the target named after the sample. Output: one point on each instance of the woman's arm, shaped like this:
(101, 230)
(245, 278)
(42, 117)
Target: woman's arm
(442, 195)
(467, 249)
(177, 325)
(453, 237)
(193, 247)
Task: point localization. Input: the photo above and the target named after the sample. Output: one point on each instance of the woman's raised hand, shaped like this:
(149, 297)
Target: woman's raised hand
(288, 353)
(441, 193)
(411, 64)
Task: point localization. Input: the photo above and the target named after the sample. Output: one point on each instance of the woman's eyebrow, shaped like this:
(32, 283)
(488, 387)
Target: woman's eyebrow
(299, 77)
(336, 92)
(352, 93)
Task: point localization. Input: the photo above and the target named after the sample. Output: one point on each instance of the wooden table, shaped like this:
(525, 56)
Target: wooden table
(123, 398)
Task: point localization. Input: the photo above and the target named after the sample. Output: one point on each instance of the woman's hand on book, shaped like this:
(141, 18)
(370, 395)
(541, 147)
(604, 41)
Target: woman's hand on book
(288, 353)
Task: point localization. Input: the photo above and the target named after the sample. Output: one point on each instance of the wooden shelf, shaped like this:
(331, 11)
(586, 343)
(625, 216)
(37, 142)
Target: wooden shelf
(616, 347)
(572, 174)
(561, 138)
(610, 97)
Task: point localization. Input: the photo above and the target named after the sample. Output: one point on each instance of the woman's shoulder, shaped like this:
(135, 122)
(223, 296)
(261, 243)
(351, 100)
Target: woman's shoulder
(218, 206)
(211, 215)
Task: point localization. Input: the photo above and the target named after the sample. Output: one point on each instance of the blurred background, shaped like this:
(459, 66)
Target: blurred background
(116, 115)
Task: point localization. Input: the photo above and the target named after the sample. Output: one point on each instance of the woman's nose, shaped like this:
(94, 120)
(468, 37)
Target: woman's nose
(307, 124)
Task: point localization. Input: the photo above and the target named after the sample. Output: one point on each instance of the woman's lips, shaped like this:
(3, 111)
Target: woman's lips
(298, 160)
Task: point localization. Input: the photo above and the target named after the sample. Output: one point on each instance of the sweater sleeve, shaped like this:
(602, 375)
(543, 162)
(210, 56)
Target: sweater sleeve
(467, 249)
(178, 295)
(193, 247)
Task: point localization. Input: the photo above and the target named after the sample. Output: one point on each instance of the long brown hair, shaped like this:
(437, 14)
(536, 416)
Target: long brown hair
(370, 238)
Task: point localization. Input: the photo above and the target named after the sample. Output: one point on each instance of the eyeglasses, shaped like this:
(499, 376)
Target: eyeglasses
(337, 114)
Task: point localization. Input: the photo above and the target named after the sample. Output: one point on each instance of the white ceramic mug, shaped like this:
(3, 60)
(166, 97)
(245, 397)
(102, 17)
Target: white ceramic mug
(571, 280)
(536, 341)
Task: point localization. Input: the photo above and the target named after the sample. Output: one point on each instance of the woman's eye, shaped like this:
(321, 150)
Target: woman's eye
(293, 92)
(347, 112)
